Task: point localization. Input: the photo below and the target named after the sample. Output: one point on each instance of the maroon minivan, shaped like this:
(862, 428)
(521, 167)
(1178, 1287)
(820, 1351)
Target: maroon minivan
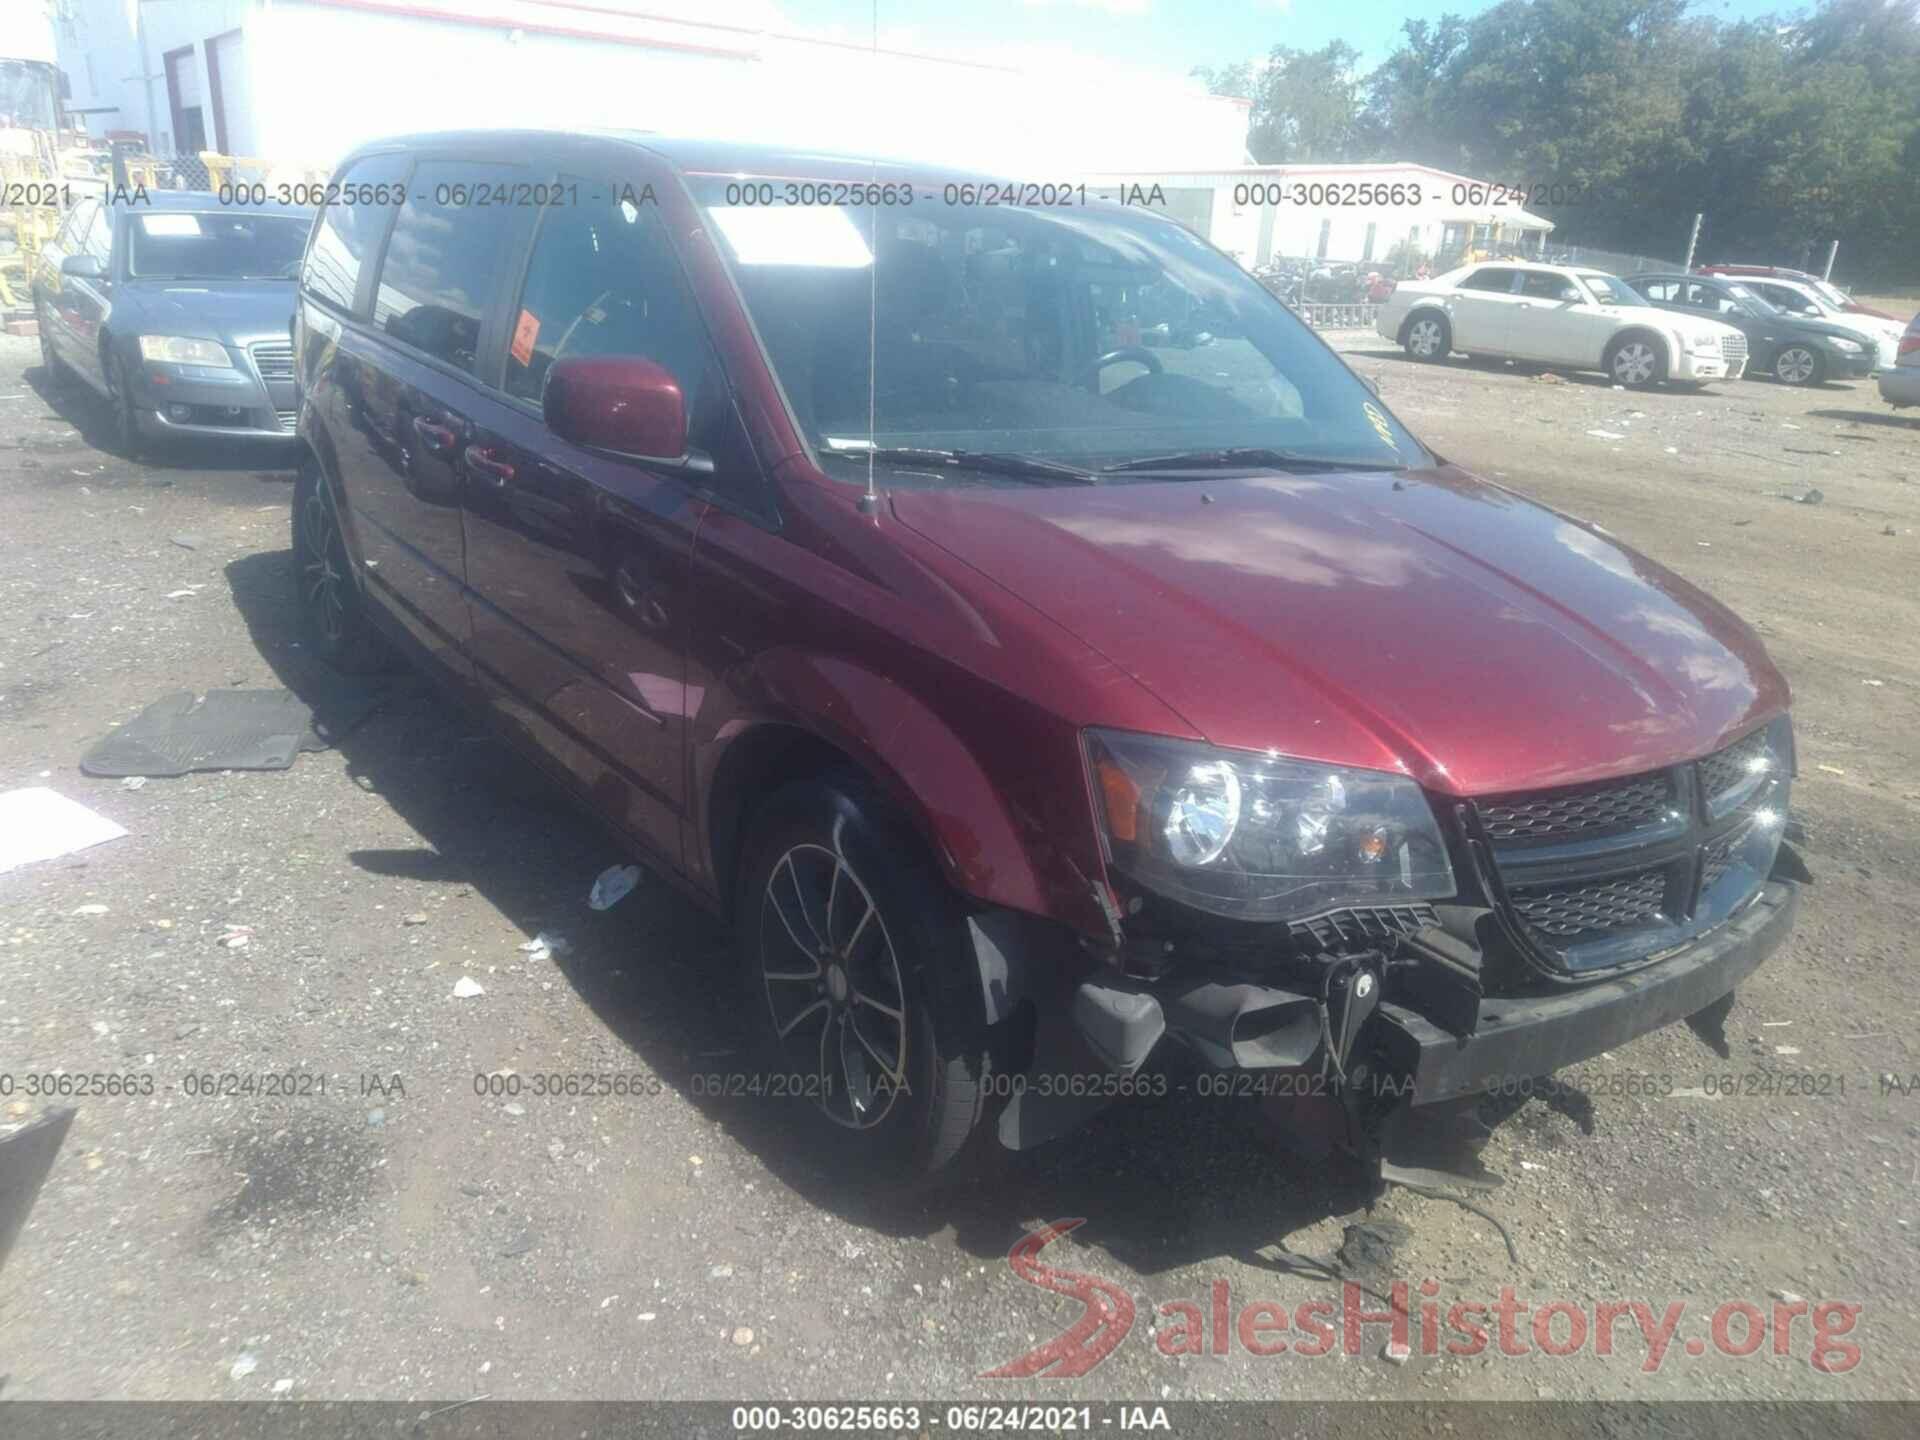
(1031, 636)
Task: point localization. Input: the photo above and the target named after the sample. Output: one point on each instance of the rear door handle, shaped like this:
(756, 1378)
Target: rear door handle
(483, 465)
(439, 438)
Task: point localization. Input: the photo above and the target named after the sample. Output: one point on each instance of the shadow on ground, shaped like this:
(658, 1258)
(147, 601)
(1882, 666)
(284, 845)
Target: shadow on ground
(1168, 1182)
(73, 401)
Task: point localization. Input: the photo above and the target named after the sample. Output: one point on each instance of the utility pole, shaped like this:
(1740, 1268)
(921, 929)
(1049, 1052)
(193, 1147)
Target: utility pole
(1832, 251)
(1693, 240)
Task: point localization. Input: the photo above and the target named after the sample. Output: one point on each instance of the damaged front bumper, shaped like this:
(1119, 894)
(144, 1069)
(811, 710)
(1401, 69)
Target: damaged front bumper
(1400, 1028)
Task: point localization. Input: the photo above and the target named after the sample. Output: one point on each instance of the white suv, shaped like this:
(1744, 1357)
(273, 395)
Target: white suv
(1562, 315)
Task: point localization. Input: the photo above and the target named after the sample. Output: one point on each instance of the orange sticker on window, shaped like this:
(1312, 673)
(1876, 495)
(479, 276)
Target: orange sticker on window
(525, 331)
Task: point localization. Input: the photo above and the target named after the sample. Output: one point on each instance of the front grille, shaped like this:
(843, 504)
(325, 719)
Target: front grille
(1733, 347)
(1579, 911)
(1725, 771)
(1608, 873)
(287, 419)
(273, 359)
(1606, 807)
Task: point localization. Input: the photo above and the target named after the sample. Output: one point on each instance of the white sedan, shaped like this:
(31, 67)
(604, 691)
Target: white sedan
(1797, 297)
(1559, 315)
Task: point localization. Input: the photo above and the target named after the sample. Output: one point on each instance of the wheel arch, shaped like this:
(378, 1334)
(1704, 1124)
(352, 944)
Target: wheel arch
(1668, 343)
(1437, 311)
(826, 712)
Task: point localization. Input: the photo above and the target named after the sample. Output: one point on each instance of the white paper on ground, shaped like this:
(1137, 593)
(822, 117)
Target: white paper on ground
(40, 824)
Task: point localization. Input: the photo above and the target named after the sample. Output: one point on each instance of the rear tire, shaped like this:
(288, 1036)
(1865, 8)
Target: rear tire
(1798, 365)
(1428, 337)
(333, 621)
(1636, 361)
(861, 980)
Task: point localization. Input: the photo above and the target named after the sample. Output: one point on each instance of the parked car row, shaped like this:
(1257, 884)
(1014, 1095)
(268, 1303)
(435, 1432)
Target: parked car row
(1560, 315)
(1647, 329)
(1035, 702)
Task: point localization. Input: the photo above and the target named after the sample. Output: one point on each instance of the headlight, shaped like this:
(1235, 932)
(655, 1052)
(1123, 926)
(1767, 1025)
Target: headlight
(178, 350)
(1845, 347)
(1258, 837)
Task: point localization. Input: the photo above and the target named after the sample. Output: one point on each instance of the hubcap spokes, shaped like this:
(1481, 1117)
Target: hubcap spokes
(319, 579)
(1633, 365)
(832, 984)
(1426, 338)
(1795, 366)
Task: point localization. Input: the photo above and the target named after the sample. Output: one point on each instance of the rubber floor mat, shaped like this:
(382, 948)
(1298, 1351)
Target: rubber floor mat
(228, 730)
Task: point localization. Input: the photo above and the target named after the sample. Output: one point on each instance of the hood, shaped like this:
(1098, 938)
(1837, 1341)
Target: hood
(1429, 622)
(1795, 325)
(1694, 326)
(205, 309)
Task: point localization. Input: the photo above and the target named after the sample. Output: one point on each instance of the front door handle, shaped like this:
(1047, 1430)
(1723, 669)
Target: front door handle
(437, 437)
(484, 466)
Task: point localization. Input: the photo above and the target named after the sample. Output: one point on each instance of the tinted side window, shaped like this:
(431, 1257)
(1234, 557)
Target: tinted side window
(1662, 292)
(1493, 277)
(442, 260)
(603, 280)
(350, 228)
(1539, 285)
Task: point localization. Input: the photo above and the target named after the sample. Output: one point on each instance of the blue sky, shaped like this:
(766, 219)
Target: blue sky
(1170, 35)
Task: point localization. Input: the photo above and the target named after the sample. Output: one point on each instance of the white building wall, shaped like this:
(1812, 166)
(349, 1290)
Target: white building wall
(324, 75)
(113, 53)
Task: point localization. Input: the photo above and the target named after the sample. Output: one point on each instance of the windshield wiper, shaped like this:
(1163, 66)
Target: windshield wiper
(1246, 457)
(990, 462)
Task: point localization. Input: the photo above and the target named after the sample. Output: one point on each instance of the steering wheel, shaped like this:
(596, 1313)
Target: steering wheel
(1137, 353)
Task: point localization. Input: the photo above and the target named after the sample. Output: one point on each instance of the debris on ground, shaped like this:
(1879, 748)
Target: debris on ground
(1807, 497)
(546, 945)
(467, 988)
(613, 885)
(41, 824)
(1606, 434)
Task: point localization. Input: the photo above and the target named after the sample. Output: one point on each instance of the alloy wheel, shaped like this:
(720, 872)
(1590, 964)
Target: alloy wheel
(1634, 363)
(833, 986)
(321, 581)
(1795, 365)
(1424, 338)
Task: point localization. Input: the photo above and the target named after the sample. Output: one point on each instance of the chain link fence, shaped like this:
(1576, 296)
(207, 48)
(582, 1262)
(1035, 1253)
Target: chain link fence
(208, 171)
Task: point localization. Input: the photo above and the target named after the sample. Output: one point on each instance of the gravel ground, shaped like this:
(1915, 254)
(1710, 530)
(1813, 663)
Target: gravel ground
(401, 1236)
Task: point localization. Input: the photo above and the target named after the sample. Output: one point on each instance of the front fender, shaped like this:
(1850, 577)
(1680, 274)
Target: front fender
(918, 759)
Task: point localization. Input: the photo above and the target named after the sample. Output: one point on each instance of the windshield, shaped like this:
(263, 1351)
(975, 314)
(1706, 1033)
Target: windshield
(191, 245)
(1832, 294)
(1612, 290)
(1090, 335)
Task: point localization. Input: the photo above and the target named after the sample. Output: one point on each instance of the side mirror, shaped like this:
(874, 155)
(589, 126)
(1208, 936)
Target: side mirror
(82, 267)
(620, 403)
(1571, 292)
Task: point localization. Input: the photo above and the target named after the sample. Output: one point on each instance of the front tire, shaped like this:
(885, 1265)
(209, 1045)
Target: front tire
(56, 372)
(1429, 338)
(126, 423)
(1636, 361)
(332, 620)
(861, 979)
(1798, 365)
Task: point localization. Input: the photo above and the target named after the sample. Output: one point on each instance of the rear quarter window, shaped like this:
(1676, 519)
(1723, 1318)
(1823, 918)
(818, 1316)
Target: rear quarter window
(444, 258)
(348, 230)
